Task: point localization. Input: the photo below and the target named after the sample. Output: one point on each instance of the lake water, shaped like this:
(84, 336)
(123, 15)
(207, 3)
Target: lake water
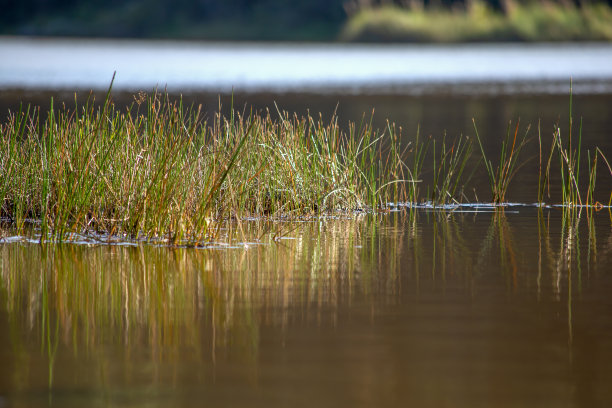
(331, 68)
(464, 308)
(441, 309)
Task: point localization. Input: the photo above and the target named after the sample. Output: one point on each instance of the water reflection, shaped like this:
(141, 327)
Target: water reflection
(484, 308)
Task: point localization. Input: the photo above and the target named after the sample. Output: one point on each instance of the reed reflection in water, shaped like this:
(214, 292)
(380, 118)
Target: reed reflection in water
(429, 308)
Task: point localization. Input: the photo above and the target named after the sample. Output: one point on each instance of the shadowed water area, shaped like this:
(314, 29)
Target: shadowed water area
(435, 309)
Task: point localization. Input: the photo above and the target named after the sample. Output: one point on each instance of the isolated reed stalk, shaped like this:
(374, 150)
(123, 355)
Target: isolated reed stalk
(543, 175)
(569, 163)
(603, 157)
(590, 198)
(418, 149)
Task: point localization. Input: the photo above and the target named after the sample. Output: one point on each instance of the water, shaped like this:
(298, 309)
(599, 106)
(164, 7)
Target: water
(442, 309)
(253, 67)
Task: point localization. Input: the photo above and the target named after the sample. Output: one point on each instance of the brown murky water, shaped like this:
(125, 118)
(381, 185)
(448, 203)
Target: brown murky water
(438, 309)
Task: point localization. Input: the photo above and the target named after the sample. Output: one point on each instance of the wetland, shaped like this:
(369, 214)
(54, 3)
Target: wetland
(339, 243)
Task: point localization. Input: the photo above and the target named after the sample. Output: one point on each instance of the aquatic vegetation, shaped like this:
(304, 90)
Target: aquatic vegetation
(569, 164)
(507, 167)
(568, 155)
(161, 172)
(448, 169)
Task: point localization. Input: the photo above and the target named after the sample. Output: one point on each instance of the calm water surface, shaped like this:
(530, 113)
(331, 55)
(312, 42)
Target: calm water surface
(256, 67)
(441, 309)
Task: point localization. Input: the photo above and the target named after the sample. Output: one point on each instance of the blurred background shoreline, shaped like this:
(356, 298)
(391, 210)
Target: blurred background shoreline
(446, 21)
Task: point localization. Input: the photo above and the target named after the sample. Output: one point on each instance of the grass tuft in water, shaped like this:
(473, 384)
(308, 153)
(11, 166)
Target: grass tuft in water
(500, 177)
(448, 169)
(159, 172)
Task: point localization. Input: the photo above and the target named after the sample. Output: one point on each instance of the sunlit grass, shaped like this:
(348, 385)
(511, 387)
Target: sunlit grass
(160, 172)
(522, 22)
(500, 177)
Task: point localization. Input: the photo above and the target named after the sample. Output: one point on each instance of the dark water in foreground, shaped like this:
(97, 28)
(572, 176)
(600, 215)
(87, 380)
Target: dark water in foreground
(442, 309)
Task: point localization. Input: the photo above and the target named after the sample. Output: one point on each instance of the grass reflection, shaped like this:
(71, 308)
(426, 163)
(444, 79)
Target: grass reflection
(163, 301)
(169, 306)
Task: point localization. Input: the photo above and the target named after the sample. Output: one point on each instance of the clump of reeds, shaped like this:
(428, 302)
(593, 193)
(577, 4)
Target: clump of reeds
(508, 165)
(159, 171)
(569, 156)
(448, 166)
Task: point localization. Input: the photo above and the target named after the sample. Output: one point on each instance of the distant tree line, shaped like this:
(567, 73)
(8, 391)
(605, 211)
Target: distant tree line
(148, 17)
(498, 5)
(232, 19)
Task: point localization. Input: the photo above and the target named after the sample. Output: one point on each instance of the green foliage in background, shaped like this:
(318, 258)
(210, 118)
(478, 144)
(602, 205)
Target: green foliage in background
(313, 20)
(480, 22)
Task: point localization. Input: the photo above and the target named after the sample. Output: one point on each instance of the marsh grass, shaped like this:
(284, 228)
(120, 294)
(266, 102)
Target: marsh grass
(508, 164)
(159, 171)
(448, 168)
(568, 154)
(417, 151)
(571, 185)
